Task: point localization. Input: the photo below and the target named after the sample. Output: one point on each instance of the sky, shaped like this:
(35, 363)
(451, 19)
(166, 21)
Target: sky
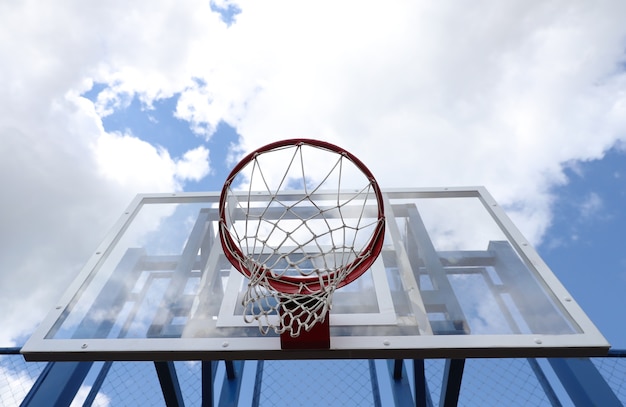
(101, 101)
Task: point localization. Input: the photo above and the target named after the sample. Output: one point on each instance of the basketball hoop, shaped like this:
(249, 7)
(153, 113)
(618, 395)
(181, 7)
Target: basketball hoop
(296, 249)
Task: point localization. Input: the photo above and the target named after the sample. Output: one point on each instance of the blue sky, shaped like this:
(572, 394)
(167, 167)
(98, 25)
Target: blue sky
(585, 245)
(157, 125)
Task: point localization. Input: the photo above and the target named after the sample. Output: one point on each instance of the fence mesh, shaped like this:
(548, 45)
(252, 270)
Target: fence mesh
(516, 382)
(433, 369)
(316, 383)
(614, 372)
(16, 378)
(137, 384)
(131, 384)
(486, 382)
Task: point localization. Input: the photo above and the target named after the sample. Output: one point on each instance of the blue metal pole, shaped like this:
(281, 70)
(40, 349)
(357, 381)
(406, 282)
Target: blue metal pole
(57, 384)
(451, 386)
(208, 376)
(166, 371)
(544, 382)
(584, 383)
(97, 384)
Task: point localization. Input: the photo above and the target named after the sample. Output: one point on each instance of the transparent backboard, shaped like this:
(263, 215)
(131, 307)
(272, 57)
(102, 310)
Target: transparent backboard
(455, 279)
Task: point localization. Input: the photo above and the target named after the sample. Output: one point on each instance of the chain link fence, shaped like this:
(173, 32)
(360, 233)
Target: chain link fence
(317, 383)
(486, 382)
(137, 384)
(501, 382)
(614, 371)
(16, 378)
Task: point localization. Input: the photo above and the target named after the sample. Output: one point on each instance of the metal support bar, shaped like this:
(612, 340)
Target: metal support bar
(451, 386)
(232, 386)
(170, 304)
(407, 274)
(230, 369)
(57, 384)
(258, 381)
(400, 387)
(544, 382)
(374, 380)
(397, 369)
(208, 375)
(10, 351)
(422, 394)
(97, 384)
(584, 383)
(166, 371)
(420, 246)
(617, 353)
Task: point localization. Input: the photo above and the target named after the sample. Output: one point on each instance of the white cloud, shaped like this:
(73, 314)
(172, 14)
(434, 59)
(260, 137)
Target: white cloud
(194, 165)
(65, 181)
(135, 165)
(100, 400)
(500, 95)
(426, 93)
(591, 206)
(128, 160)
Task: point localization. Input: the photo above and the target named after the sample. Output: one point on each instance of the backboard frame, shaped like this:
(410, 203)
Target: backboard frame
(587, 342)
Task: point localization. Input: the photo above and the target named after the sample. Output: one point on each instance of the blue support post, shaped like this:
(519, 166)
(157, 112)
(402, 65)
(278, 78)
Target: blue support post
(374, 380)
(400, 387)
(208, 376)
(584, 383)
(422, 394)
(166, 371)
(397, 369)
(232, 385)
(451, 386)
(258, 381)
(617, 353)
(97, 384)
(230, 369)
(544, 382)
(57, 384)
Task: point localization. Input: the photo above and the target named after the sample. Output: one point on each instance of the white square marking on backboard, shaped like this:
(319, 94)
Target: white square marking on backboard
(385, 316)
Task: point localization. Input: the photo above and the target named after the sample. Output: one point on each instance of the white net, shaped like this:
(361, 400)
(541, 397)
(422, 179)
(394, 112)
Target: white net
(297, 246)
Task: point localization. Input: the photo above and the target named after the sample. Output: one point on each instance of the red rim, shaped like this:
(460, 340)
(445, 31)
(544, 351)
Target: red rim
(295, 285)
